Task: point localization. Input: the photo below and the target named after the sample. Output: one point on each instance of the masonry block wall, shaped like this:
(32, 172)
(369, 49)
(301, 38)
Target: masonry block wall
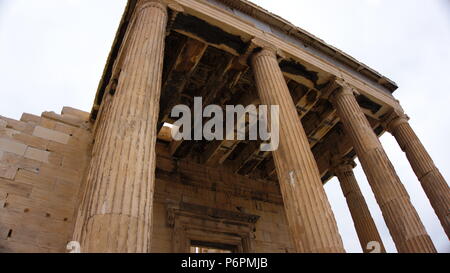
(42, 164)
(217, 188)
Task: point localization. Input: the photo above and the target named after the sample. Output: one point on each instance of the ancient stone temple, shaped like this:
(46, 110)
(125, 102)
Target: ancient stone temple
(114, 179)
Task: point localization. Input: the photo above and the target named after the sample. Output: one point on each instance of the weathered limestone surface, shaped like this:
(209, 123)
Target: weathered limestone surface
(136, 196)
(404, 224)
(116, 211)
(217, 187)
(311, 220)
(364, 225)
(38, 206)
(41, 175)
(431, 179)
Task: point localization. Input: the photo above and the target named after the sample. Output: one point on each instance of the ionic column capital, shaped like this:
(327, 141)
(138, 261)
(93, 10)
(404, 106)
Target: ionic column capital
(339, 89)
(143, 4)
(259, 48)
(269, 52)
(340, 165)
(394, 118)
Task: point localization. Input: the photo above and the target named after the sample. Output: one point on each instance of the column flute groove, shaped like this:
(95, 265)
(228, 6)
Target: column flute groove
(431, 179)
(364, 225)
(309, 214)
(404, 224)
(117, 207)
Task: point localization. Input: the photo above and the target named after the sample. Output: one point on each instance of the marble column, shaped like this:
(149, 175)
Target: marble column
(364, 225)
(117, 208)
(310, 218)
(404, 224)
(431, 179)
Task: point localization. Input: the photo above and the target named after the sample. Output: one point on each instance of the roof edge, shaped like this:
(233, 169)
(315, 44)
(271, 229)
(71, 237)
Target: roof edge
(290, 29)
(258, 12)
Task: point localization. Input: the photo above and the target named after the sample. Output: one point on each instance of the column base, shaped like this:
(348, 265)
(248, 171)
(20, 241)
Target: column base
(115, 233)
(405, 234)
(418, 244)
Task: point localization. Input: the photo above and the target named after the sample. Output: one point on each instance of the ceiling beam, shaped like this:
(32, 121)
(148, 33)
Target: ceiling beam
(179, 75)
(303, 105)
(223, 74)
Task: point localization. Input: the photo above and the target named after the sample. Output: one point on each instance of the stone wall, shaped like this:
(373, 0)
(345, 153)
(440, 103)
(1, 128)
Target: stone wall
(42, 164)
(218, 188)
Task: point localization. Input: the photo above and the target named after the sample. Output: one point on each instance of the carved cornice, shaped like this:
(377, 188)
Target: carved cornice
(199, 211)
(176, 9)
(265, 16)
(258, 42)
(207, 213)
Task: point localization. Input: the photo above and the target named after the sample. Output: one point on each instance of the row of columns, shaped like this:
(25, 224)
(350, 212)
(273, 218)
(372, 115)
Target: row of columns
(117, 206)
(431, 179)
(406, 228)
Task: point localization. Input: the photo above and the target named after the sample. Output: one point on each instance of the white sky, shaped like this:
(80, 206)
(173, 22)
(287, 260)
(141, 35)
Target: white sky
(52, 54)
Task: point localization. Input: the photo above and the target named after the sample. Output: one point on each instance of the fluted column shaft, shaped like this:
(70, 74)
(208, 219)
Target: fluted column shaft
(310, 218)
(118, 202)
(431, 179)
(404, 224)
(364, 225)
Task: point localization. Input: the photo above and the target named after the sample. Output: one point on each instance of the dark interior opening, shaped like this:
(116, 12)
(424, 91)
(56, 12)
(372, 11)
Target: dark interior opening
(210, 247)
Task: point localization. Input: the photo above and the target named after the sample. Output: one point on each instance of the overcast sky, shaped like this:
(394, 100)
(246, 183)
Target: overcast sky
(52, 54)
